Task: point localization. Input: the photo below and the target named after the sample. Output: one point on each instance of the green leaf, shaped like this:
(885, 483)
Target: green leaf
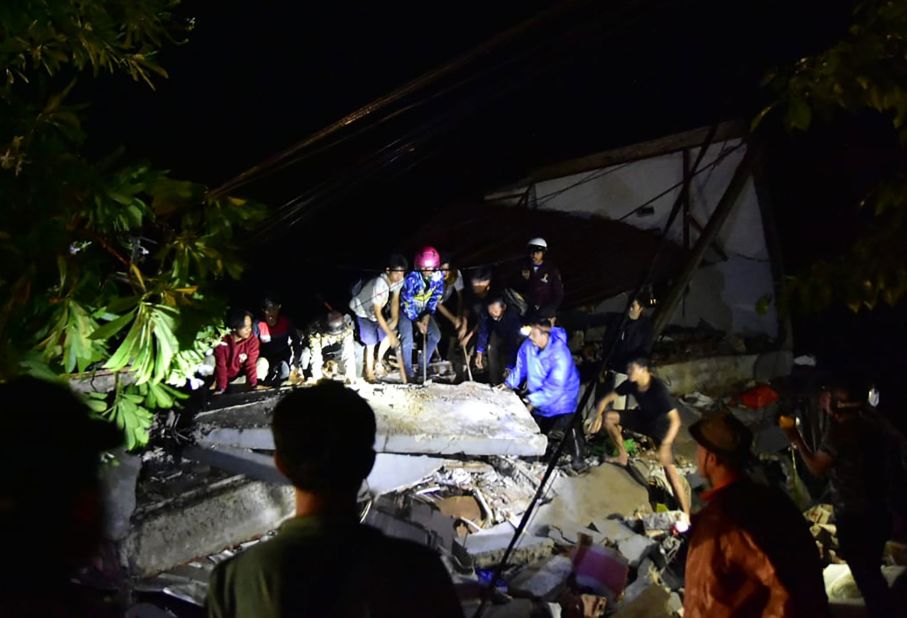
(112, 328)
(799, 115)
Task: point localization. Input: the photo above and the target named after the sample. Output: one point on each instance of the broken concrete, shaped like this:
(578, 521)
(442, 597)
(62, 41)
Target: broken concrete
(714, 374)
(604, 491)
(226, 513)
(653, 602)
(393, 472)
(488, 546)
(543, 581)
(118, 481)
(437, 419)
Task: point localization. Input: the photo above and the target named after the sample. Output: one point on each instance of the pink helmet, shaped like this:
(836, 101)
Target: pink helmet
(427, 259)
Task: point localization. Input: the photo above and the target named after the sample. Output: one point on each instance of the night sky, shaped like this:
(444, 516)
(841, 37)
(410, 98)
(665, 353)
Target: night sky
(252, 81)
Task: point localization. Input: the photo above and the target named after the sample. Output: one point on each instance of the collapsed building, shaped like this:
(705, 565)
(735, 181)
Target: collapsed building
(458, 464)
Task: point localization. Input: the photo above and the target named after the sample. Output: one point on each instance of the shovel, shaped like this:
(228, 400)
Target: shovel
(468, 368)
(424, 357)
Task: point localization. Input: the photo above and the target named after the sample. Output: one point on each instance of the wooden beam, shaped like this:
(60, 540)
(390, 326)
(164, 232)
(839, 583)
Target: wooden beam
(716, 222)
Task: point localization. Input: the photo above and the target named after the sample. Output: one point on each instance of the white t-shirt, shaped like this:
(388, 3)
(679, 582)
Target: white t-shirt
(449, 289)
(376, 291)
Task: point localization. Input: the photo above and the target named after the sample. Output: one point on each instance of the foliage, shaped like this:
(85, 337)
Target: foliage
(103, 264)
(864, 72)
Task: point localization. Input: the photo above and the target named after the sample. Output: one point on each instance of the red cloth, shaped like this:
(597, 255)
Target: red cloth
(232, 357)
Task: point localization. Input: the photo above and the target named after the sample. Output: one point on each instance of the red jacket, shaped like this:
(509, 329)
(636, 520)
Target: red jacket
(231, 357)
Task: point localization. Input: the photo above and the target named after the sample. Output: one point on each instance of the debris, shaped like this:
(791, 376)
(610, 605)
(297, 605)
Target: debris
(542, 582)
(758, 397)
(487, 547)
(805, 360)
(600, 569)
(647, 575)
(820, 514)
(698, 400)
(653, 602)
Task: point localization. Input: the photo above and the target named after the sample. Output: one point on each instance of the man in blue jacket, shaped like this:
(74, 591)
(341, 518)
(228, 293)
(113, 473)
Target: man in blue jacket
(544, 363)
(423, 289)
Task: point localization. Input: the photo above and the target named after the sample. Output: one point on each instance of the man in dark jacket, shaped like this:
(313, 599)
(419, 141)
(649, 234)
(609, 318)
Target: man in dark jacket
(541, 285)
(751, 553)
(633, 341)
(323, 562)
(280, 342)
(499, 338)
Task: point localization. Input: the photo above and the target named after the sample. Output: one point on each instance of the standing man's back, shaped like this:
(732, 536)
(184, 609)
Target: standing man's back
(323, 562)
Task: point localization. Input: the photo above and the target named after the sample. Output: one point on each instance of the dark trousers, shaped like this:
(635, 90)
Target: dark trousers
(862, 540)
(556, 428)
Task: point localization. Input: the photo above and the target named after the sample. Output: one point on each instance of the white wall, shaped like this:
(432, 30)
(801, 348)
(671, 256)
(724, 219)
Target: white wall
(723, 293)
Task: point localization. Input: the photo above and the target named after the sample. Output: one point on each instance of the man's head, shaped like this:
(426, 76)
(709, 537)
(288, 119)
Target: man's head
(396, 269)
(240, 323)
(540, 332)
(638, 369)
(843, 399)
(450, 275)
(334, 322)
(480, 279)
(324, 438)
(271, 306)
(49, 464)
(496, 307)
(537, 248)
(723, 445)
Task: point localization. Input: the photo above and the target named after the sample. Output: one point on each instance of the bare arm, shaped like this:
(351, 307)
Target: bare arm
(817, 463)
(450, 316)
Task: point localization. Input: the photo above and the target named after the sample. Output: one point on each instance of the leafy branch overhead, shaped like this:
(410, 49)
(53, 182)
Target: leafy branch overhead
(865, 72)
(103, 264)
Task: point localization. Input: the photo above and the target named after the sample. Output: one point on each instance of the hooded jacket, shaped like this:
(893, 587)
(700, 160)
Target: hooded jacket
(550, 375)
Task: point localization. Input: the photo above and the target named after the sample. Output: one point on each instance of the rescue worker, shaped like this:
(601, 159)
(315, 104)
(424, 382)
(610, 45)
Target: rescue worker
(329, 343)
(544, 368)
(499, 339)
(541, 284)
(634, 341)
(280, 343)
(237, 354)
(370, 302)
(423, 289)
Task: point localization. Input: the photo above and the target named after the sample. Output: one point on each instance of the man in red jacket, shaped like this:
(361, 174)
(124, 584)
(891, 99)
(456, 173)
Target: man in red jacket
(236, 353)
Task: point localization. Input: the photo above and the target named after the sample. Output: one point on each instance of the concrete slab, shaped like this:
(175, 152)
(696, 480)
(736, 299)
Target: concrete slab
(488, 547)
(435, 419)
(226, 513)
(715, 375)
(604, 491)
(394, 471)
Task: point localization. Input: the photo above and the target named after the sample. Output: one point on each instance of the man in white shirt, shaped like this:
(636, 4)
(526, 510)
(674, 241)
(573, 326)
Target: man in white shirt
(368, 304)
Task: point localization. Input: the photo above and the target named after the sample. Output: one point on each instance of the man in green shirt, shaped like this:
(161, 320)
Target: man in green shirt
(323, 562)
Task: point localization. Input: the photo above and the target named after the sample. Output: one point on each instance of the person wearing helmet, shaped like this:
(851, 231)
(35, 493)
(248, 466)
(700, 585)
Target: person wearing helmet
(420, 297)
(541, 285)
(330, 341)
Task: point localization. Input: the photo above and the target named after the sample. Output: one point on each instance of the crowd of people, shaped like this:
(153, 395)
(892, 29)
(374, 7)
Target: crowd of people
(750, 550)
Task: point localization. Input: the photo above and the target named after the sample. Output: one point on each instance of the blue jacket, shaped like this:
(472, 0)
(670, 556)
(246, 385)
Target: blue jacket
(550, 375)
(418, 297)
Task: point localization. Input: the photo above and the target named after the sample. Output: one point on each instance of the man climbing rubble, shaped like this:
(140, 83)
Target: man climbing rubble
(545, 366)
(279, 341)
(856, 453)
(751, 553)
(369, 304)
(237, 354)
(330, 348)
(420, 298)
(323, 562)
(657, 417)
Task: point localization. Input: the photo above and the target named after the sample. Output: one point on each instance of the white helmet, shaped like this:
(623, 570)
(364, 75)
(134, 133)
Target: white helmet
(538, 242)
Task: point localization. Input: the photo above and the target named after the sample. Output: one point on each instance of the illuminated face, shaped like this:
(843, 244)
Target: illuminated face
(271, 314)
(635, 372)
(635, 310)
(496, 310)
(537, 256)
(244, 331)
(539, 337)
(395, 275)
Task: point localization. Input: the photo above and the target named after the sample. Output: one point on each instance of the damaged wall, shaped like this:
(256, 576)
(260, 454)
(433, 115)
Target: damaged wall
(737, 272)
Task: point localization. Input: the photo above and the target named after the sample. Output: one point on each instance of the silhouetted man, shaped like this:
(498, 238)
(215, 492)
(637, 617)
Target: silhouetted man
(323, 562)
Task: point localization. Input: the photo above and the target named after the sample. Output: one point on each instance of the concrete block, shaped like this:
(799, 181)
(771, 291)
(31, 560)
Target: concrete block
(118, 482)
(487, 547)
(392, 471)
(436, 419)
(715, 375)
(225, 514)
(653, 602)
(543, 582)
(255, 466)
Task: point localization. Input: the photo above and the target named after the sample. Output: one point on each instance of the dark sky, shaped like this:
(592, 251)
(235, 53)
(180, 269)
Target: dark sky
(254, 79)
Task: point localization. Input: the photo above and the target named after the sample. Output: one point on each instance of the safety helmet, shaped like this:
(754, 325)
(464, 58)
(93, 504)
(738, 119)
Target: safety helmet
(335, 322)
(427, 259)
(538, 244)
